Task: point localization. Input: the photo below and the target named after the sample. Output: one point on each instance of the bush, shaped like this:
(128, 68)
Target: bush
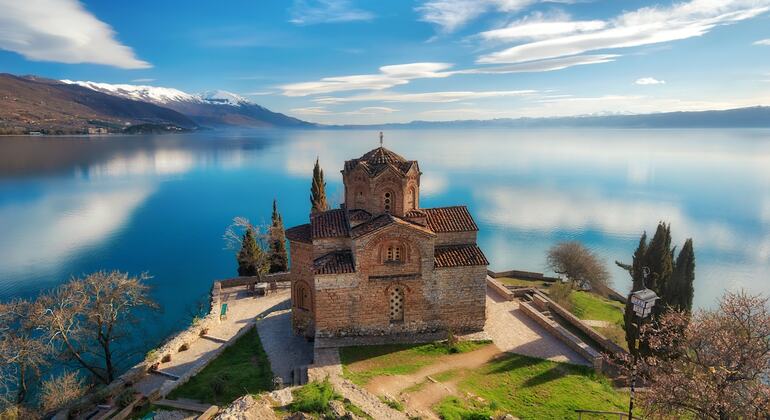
(559, 292)
(125, 398)
(313, 397)
(184, 347)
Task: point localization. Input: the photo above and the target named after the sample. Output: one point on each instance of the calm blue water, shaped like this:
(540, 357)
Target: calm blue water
(160, 204)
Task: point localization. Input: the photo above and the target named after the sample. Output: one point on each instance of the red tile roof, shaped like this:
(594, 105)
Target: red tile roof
(379, 159)
(359, 215)
(329, 224)
(458, 256)
(337, 262)
(384, 220)
(300, 233)
(450, 219)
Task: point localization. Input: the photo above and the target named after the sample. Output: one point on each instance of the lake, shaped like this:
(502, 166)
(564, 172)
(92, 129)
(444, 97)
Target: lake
(72, 205)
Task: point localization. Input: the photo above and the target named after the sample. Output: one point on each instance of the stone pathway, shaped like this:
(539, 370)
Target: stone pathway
(284, 349)
(596, 323)
(512, 331)
(241, 313)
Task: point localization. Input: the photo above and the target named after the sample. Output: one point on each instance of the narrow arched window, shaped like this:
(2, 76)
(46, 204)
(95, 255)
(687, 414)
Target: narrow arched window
(411, 197)
(396, 301)
(387, 201)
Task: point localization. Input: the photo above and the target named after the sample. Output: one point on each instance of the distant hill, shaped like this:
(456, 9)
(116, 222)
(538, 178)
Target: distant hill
(29, 104)
(751, 117)
(211, 109)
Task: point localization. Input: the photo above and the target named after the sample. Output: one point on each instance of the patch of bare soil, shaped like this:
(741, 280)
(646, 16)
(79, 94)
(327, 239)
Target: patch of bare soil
(420, 401)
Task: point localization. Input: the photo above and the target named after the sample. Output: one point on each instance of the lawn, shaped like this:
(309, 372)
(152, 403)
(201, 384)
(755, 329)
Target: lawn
(396, 359)
(586, 305)
(530, 388)
(512, 281)
(241, 369)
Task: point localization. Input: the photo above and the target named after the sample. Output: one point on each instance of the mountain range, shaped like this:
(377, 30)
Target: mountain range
(35, 104)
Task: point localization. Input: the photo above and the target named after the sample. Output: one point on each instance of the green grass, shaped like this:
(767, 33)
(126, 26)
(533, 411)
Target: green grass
(314, 398)
(241, 369)
(512, 281)
(531, 388)
(586, 305)
(397, 359)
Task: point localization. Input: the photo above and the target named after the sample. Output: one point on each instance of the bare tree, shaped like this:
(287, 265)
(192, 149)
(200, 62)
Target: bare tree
(578, 264)
(240, 229)
(85, 317)
(23, 354)
(716, 366)
(59, 391)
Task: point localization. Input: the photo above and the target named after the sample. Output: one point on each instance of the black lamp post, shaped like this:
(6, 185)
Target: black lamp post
(642, 300)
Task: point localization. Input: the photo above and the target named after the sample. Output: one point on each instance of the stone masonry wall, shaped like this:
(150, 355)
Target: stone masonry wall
(462, 297)
(302, 281)
(451, 238)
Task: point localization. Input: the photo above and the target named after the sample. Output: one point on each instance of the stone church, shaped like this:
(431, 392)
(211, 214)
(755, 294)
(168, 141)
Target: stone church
(380, 264)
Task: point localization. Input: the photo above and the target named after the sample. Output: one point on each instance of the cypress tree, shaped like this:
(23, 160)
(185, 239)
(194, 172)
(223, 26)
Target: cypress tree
(279, 260)
(661, 264)
(318, 190)
(636, 269)
(249, 255)
(683, 278)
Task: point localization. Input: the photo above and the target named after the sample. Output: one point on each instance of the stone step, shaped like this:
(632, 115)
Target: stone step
(166, 374)
(188, 405)
(214, 339)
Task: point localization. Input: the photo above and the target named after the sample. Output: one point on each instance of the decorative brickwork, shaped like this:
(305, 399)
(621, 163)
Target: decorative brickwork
(381, 265)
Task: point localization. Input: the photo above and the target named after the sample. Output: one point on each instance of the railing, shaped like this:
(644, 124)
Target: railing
(621, 415)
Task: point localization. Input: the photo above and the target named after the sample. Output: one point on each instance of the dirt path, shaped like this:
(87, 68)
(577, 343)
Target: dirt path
(430, 392)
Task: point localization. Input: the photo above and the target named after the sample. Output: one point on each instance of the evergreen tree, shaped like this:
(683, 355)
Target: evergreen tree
(661, 263)
(250, 255)
(318, 190)
(683, 279)
(636, 269)
(279, 260)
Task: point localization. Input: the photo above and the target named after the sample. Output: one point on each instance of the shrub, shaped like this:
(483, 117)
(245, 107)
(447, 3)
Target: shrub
(166, 358)
(184, 347)
(313, 397)
(559, 292)
(125, 398)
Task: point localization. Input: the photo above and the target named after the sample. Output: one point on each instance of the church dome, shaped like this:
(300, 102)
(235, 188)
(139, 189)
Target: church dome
(381, 156)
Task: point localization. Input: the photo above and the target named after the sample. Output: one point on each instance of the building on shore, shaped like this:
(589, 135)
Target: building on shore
(382, 265)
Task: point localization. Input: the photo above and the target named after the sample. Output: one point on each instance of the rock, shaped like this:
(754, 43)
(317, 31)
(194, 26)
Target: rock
(508, 417)
(338, 408)
(300, 416)
(248, 408)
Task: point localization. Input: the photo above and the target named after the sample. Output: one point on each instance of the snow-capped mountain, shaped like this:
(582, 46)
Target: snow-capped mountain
(213, 108)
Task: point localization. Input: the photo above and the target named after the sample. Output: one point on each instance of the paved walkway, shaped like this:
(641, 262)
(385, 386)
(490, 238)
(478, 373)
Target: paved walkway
(512, 331)
(241, 313)
(284, 349)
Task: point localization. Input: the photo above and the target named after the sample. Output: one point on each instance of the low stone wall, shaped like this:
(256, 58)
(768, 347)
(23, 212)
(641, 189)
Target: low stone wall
(610, 293)
(564, 335)
(499, 288)
(525, 275)
(282, 277)
(607, 345)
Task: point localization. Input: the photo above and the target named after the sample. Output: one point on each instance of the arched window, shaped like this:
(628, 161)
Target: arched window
(359, 198)
(396, 300)
(394, 253)
(411, 199)
(387, 200)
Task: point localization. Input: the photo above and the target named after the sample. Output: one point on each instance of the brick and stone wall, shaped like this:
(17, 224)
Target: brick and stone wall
(456, 238)
(302, 283)
(462, 297)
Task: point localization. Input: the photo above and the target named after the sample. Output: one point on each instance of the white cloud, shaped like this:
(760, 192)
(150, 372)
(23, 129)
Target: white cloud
(543, 65)
(61, 31)
(142, 80)
(649, 81)
(388, 76)
(425, 97)
(308, 12)
(538, 26)
(312, 110)
(401, 74)
(765, 42)
(450, 15)
(648, 25)
(369, 110)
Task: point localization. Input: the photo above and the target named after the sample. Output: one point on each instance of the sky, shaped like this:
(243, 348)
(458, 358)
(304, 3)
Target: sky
(362, 62)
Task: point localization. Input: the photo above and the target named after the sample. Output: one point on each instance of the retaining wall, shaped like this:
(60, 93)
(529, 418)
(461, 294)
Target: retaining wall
(525, 275)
